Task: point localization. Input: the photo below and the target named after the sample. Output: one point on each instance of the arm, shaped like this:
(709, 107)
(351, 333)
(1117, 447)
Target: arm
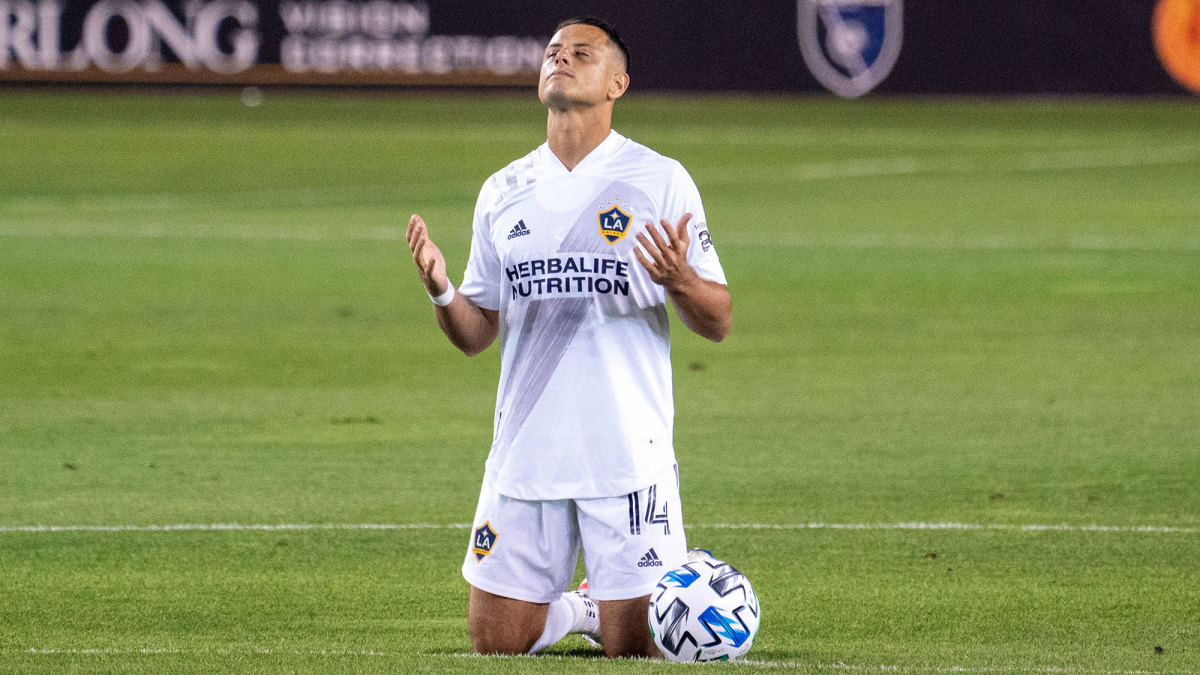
(470, 327)
(704, 306)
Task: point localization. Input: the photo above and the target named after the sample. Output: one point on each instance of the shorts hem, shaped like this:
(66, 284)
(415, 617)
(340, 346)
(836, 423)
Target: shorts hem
(622, 593)
(513, 592)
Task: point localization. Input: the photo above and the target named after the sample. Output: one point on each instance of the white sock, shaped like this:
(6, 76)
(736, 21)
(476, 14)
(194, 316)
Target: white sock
(560, 620)
(587, 614)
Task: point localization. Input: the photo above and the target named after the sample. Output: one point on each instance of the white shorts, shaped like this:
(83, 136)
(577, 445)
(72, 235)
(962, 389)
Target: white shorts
(528, 550)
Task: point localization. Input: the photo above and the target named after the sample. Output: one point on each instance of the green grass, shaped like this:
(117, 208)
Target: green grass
(974, 312)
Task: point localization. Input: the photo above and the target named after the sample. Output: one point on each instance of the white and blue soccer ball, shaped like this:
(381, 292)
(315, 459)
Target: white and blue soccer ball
(704, 611)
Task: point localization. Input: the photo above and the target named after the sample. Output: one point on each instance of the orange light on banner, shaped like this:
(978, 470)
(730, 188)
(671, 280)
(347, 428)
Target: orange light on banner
(1177, 40)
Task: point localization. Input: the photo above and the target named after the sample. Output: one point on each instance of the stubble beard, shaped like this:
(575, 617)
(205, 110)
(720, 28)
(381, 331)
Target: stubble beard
(557, 99)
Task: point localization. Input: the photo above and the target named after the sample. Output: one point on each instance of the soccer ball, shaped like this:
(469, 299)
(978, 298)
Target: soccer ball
(703, 611)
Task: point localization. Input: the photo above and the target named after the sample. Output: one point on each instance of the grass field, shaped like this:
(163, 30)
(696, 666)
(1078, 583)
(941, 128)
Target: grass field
(956, 427)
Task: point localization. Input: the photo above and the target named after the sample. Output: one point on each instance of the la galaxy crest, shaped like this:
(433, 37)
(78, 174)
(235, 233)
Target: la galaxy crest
(614, 223)
(850, 46)
(483, 541)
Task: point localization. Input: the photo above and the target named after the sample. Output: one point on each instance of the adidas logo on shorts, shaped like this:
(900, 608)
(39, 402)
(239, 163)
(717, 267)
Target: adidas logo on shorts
(519, 230)
(650, 560)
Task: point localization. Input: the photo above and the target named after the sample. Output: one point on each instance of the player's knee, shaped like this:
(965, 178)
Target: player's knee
(629, 644)
(500, 625)
(498, 637)
(624, 629)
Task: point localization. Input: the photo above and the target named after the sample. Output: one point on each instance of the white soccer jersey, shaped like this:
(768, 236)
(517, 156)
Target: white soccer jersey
(584, 406)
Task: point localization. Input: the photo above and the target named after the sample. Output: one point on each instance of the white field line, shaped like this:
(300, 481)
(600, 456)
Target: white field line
(1061, 527)
(788, 665)
(917, 526)
(234, 527)
(845, 667)
(176, 650)
(982, 670)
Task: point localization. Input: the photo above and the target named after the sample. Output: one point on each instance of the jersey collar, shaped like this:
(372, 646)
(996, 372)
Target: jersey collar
(598, 154)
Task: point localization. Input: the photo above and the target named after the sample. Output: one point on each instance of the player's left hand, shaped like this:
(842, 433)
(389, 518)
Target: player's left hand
(665, 257)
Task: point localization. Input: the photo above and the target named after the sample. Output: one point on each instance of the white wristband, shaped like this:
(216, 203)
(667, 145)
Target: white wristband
(445, 298)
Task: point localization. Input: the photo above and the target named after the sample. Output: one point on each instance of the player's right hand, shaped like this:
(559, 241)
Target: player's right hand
(431, 265)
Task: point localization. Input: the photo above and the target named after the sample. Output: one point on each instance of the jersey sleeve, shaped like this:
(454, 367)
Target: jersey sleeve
(482, 278)
(683, 197)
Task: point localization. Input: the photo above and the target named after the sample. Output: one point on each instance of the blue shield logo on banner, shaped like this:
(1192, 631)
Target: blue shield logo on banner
(850, 46)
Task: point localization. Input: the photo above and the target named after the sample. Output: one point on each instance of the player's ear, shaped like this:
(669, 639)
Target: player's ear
(617, 86)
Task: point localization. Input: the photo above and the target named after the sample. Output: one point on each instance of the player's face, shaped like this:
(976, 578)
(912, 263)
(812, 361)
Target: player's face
(580, 68)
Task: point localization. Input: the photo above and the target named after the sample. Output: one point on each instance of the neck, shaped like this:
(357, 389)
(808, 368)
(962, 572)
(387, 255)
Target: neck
(573, 133)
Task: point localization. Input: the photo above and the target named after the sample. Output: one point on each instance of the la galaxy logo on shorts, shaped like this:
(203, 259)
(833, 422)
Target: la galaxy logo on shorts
(483, 541)
(850, 46)
(614, 224)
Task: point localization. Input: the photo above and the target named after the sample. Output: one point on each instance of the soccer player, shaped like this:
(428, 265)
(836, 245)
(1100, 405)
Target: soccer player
(575, 249)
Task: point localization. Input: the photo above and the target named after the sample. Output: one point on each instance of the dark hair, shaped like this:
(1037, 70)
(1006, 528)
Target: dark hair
(603, 25)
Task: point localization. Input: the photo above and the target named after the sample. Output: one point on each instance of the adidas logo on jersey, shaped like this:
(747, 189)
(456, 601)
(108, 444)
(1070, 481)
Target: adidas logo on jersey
(650, 560)
(519, 230)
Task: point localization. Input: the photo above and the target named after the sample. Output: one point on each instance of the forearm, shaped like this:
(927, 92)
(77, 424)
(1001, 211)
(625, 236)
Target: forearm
(468, 326)
(704, 306)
